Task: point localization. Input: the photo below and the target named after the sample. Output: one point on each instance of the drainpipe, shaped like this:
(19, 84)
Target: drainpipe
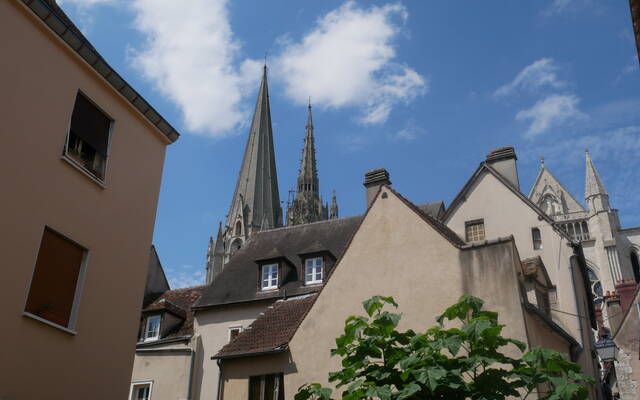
(575, 299)
(190, 387)
(219, 362)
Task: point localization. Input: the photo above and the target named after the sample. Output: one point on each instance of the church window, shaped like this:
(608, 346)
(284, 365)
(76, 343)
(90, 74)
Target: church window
(88, 137)
(474, 230)
(266, 387)
(238, 231)
(269, 276)
(585, 231)
(152, 328)
(635, 264)
(313, 270)
(537, 238)
(550, 205)
(235, 245)
(57, 280)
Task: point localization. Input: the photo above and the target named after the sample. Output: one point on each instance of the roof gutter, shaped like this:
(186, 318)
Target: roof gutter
(260, 353)
(82, 47)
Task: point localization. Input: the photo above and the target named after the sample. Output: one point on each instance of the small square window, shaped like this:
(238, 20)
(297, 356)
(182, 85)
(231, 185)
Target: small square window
(140, 391)
(313, 270)
(234, 331)
(269, 276)
(54, 287)
(474, 230)
(152, 328)
(88, 138)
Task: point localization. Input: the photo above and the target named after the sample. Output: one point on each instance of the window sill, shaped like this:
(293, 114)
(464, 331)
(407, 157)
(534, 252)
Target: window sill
(313, 283)
(269, 289)
(47, 322)
(83, 170)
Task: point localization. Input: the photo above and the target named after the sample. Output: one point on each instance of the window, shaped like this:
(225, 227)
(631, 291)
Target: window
(141, 391)
(56, 280)
(266, 387)
(635, 265)
(269, 276)
(313, 270)
(537, 238)
(238, 228)
(152, 328)
(88, 137)
(474, 230)
(234, 331)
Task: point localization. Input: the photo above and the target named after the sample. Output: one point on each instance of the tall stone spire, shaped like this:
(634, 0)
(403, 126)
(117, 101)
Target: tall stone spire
(307, 206)
(333, 213)
(595, 194)
(215, 255)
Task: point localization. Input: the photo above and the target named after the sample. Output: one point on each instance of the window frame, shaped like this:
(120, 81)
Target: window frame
(73, 314)
(278, 385)
(537, 243)
(140, 383)
(147, 320)
(475, 222)
(314, 270)
(239, 328)
(72, 161)
(277, 277)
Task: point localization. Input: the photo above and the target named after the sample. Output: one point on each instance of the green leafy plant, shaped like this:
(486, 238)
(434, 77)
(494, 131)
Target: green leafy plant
(463, 362)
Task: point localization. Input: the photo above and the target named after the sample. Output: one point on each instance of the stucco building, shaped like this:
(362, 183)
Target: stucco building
(78, 209)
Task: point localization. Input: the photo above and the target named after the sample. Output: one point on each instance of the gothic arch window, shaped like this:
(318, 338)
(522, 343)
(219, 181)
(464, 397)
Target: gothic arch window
(235, 245)
(635, 264)
(596, 286)
(238, 230)
(550, 205)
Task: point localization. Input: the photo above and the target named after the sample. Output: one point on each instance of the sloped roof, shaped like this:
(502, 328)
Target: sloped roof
(435, 209)
(544, 173)
(56, 19)
(177, 302)
(271, 331)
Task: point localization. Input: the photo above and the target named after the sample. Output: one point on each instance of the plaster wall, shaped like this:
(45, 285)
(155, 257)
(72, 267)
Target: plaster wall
(505, 214)
(40, 77)
(396, 253)
(167, 369)
(211, 327)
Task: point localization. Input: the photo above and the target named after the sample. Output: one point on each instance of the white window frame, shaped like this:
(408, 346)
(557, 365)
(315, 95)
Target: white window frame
(269, 274)
(472, 229)
(233, 328)
(145, 337)
(135, 385)
(312, 270)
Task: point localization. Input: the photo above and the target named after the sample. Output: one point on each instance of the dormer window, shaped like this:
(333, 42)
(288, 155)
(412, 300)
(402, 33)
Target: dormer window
(152, 329)
(269, 277)
(314, 269)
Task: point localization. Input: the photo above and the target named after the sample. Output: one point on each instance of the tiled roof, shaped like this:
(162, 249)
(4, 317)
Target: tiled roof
(272, 330)
(177, 302)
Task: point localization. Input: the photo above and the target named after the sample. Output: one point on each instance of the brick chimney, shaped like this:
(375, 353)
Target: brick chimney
(373, 180)
(614, 311)
(625, 290)
(503, 160)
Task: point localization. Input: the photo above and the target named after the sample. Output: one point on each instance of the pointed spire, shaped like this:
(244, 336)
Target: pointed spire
(334, 207)
(215, 254)
(257, 181)
(594, 192)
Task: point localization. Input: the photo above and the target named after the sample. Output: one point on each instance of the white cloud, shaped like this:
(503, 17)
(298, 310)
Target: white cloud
(539, 74)
(348, 59)
(185, 276)
(558, 6)
(552, 111)
(410, 132)
(192, 57)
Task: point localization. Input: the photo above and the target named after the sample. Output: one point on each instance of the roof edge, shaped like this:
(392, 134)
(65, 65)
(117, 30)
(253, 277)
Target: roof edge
(82, 47)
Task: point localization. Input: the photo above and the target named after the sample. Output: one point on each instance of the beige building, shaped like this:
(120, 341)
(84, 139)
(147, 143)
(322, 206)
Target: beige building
(81, 164)
(401, 251)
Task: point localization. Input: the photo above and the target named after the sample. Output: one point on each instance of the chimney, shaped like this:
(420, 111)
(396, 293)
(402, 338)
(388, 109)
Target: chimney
(626, 289)
(373, 180)
(503, 160)
(614, 311)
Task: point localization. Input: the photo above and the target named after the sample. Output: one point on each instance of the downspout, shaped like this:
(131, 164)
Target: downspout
(190, 387)
(219, 362)
(575, 300)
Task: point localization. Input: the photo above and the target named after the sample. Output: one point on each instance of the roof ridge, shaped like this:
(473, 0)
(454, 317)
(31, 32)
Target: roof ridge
(307, 224)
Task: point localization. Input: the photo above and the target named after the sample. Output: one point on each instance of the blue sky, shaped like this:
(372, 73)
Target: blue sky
(422, 88)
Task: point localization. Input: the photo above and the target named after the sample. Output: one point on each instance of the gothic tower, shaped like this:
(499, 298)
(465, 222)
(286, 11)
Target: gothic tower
(307, 206)
(255, 205)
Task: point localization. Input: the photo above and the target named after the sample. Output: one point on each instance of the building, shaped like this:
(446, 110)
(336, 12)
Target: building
(78, 209)
(634, 6)
(425, 266)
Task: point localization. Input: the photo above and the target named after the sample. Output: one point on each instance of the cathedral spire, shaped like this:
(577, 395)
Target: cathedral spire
(215, 255)
(257, 186)
(307, 206)
(595, 194)
(334, 207)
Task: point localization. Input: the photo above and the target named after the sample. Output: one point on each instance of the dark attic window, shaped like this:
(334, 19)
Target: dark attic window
(88, 139)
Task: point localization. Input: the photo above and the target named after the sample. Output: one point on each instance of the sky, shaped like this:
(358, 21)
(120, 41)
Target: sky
(424, 89)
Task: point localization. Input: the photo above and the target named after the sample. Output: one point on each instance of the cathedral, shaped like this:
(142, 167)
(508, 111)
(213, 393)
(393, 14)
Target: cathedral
(255, 205)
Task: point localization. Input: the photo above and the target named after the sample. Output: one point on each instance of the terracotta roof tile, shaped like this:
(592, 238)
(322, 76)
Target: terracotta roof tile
(178, 302)
(272, 330)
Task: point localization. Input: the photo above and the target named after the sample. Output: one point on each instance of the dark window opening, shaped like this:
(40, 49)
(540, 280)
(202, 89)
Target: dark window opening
(55, 278)
(89, 136)
(238, 228)
(635, 264)
(266, 387)
(537, 238)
